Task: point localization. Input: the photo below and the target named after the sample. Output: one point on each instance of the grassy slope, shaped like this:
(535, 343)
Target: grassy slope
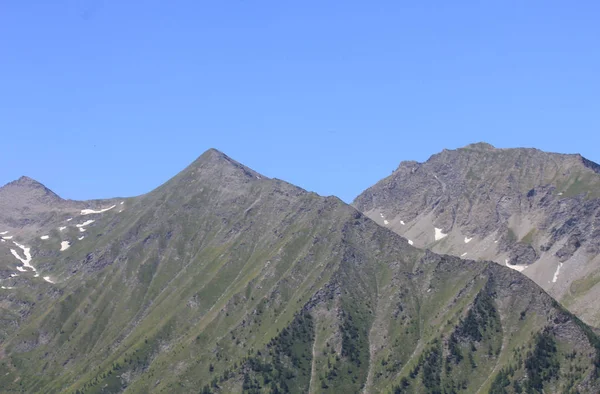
(262, 287)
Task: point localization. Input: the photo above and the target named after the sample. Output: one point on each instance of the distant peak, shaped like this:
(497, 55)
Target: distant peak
(214, 157)
(25, 181)
(216, 163)
(26, 186)
(480, 146)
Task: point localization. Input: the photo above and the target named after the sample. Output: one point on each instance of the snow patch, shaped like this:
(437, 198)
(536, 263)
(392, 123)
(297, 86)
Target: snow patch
(560, 194)
(27, 260)
(467, 240)
(402, 222)
(91, 211)
(80, 238)
(555, 277)
(3, 240)
(385, 222)
(410, 242)
(61, 228)
(81, 229)
(8, 288)
(21, 269)
(122, 202)
(13, 275)
(44, 237)
(85, 223)
(9, 237)
(47, 279)
(4, 232)
(69, 219)
(519, 268)
(64, 245)
(463, 255)
(439, 234)
(381, 214)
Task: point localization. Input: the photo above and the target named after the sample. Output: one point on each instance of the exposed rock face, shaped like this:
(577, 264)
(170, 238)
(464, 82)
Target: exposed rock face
(520, 207)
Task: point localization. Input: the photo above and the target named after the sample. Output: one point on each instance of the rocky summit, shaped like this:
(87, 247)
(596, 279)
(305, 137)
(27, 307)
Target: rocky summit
(529, 210)
(225, 281)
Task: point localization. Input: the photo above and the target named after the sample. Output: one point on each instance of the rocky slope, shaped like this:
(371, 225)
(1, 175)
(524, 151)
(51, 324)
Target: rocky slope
(223, 280)
(533, 211)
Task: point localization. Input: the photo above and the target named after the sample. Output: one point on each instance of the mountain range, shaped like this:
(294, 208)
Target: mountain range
(223, 280)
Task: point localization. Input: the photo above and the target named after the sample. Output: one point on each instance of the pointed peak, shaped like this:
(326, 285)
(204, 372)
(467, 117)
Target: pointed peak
(213, 167)
(25, 188)
(25, 181)
(214, 158)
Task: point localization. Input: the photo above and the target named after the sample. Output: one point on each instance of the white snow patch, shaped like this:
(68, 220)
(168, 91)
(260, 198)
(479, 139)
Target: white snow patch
(467, 240)
(91, 211)
(4, 232)
(47, 279)
(402, 222)
(410, 242)
(428, 290)
(21, 269)
(64, 245)
(81, 229)
(385, 222)
(69, 219)
(381, 214)
(3, 240)
(36, 275)
(560, 194)
(439, 234)
(9, 237)
(13, 275)
(61, 228)
(555, 277)
(519, 268)
(44, 237)
(80, 238)
(495, 242)
(85, 223)
(120, 211)
(27, 260)
(122, 202)
(463, 255)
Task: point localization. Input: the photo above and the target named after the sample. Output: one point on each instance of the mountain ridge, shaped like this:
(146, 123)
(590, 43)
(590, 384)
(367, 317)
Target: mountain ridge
(522, 207)
(222, 281)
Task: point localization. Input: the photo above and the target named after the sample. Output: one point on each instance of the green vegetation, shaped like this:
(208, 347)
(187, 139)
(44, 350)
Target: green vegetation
(220, 282)
(528, 238)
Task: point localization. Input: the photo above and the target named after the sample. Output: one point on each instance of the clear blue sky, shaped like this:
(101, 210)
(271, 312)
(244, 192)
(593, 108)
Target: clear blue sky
(112, 98)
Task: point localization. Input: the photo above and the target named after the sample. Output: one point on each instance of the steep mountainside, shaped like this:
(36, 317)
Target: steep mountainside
(533, 211)
(223, 280)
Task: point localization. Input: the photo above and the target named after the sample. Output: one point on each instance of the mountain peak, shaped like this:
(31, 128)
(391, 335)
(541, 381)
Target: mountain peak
(27, 181)
(214, 160)
(25, 190)
(480, 146)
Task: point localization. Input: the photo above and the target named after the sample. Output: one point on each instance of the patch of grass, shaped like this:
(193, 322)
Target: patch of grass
(528, 238)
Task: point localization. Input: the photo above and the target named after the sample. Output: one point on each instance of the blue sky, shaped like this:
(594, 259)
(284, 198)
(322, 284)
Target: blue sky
(110, 98)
